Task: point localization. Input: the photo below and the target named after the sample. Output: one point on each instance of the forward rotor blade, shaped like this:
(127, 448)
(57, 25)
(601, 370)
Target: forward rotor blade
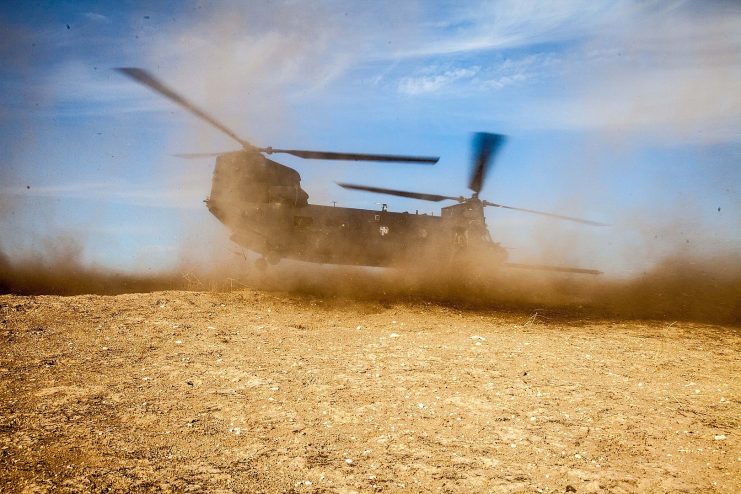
(551, 215)
(485, 147)
(401, 193)
(143, 77)
(329, 155)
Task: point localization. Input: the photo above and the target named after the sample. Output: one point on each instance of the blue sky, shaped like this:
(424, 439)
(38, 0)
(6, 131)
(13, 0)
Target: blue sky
(623, 112)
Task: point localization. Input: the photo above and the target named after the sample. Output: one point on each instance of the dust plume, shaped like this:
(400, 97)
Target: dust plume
(677, 288)
(680, 287)
(57, 268)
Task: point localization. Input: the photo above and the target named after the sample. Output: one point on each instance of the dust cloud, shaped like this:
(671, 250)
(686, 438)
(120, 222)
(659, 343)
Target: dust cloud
(677, 288)
(57, 268)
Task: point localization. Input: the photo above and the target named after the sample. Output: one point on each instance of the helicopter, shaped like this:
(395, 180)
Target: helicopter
(263, 205)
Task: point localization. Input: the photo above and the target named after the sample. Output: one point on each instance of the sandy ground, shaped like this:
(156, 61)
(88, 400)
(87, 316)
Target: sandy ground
(254, 392)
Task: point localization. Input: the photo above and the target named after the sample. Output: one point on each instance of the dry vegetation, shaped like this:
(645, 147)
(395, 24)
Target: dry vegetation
(249, 391)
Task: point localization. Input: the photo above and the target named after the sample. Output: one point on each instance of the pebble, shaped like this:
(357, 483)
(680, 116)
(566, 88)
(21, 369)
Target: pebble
(348, 461)
(720, 437)
(394, 335)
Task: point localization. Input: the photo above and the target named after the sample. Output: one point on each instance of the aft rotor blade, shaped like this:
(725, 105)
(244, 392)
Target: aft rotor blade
(401, 193)
(551, 215)
(330, 155)
(560, 269)
(143, 77)
(485, 147)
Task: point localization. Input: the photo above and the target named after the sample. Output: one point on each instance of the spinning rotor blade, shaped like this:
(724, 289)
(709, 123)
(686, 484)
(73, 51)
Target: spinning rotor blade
(401, 193)
(143, 77)
(485, 146)
(560, 269)
(329, 155)
(551, 215)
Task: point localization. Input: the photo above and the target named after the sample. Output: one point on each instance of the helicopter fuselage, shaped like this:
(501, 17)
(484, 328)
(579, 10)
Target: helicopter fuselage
(262, 203)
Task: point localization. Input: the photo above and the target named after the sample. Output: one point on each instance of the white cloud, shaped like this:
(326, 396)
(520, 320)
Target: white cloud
(435, 82)
(507, 24)
(668, 71)
(674, 78)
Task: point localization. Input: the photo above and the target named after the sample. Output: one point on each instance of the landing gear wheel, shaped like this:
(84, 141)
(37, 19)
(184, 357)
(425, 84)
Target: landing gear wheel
(261, 264)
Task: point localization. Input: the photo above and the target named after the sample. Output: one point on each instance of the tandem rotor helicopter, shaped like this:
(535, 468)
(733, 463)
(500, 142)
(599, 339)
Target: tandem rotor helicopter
(263, 205)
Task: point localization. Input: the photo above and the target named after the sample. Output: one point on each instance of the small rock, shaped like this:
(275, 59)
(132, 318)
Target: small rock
(720, 437)
(476, 337)
(348, 461)
(394, 335)
(359, 328)
(178, 342)
(570, 488)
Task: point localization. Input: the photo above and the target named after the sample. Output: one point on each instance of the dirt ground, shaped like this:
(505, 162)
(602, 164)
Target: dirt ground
(250, 391)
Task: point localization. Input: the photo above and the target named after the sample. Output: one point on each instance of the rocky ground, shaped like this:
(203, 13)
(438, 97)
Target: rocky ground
(255, 392)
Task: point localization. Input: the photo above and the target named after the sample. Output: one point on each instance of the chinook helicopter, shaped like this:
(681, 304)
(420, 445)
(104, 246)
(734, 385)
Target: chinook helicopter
(263, 205)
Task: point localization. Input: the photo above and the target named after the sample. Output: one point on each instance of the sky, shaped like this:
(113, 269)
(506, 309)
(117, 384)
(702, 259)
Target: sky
(627, 113)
